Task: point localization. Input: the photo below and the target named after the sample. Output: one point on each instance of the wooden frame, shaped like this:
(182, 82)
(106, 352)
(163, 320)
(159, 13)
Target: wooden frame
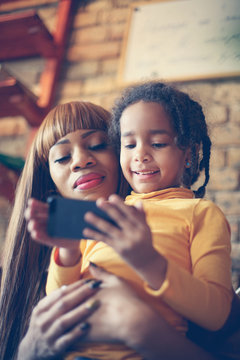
(33, 39)
(181, 40)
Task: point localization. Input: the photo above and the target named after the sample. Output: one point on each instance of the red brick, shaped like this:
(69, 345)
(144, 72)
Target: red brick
(229, 202)
(233, 157)
(224, 179)
(102, 84)
(218, 159)
(110, 16)
(235, 113)
(82, 69)
(13, 126)
(94, 51)
(227, 134)
(90, 35)
(84, 18)
(217, 114)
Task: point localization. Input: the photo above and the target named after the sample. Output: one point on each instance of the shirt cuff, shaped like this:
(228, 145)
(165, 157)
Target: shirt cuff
(165, 285)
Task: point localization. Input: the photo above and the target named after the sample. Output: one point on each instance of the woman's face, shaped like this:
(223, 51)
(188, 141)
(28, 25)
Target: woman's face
(83, 165)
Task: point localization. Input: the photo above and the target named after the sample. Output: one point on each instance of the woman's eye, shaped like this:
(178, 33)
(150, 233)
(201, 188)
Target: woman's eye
(98, 147)
(129, 146)
(62, 159)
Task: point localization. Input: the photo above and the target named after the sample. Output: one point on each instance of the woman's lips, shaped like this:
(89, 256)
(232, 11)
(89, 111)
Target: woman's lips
(88, 181)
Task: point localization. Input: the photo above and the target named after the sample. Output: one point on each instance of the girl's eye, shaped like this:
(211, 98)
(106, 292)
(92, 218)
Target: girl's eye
(98, 147)
(159, 145)
(62, 159)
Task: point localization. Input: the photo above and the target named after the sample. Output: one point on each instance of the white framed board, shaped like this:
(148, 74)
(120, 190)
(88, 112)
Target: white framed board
(181, 40)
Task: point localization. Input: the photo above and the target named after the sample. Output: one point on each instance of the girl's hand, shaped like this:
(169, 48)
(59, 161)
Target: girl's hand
(36, 215)
(58, 321)
(131, 239)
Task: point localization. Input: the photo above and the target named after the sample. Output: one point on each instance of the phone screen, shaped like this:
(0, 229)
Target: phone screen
(66, 217)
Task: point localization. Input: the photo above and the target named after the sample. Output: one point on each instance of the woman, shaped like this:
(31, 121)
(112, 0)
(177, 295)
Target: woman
(26, 262)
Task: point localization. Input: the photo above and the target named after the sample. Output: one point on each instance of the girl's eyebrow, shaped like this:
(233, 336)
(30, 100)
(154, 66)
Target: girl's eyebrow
(83, 136)
(152, 132)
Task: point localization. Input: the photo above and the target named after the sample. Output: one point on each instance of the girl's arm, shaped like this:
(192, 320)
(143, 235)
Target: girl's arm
(124, 317)
(206, 299)
(132, 239)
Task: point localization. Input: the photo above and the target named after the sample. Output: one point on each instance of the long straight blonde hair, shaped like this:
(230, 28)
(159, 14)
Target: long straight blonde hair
(25, 261)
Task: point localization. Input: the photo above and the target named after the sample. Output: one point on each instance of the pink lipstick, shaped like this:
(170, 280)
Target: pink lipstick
(88, 181)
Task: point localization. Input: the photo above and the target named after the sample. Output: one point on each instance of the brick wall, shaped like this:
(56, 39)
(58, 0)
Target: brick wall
(90, 73)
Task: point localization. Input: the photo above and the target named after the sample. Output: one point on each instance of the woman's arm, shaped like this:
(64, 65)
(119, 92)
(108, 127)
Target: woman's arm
(59, 320)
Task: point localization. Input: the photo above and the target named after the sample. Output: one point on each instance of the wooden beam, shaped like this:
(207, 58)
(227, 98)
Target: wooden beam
(50, 75)
(24, 35)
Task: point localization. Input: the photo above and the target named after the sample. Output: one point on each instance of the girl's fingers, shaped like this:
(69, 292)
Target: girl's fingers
(102, 225)
(123, 214)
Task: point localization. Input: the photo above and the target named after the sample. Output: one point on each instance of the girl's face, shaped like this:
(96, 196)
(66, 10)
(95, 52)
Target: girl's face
(83, 166)
(150, 158)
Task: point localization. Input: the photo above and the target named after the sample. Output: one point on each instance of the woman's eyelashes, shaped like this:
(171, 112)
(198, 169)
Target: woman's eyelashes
(99, 147)
(96, 147)
(62, 159)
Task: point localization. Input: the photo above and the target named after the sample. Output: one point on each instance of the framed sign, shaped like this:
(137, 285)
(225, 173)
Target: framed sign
(181, 40)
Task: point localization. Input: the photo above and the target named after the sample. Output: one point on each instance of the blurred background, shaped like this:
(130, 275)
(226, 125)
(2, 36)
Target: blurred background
(57, 51)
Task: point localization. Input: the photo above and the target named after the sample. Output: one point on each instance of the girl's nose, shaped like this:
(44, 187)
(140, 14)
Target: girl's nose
(142, 155)
(82, 159)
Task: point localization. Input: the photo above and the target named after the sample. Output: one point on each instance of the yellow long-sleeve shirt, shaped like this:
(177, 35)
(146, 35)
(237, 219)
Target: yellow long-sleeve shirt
(194, 236)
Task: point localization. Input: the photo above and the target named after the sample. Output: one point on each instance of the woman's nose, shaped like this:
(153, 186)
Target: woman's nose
(82, 159)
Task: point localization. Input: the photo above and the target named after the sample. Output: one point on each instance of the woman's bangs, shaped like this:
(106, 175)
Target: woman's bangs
(67, 118)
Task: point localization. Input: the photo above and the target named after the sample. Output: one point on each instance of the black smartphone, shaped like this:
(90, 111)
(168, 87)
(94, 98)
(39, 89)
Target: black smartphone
(66, 217)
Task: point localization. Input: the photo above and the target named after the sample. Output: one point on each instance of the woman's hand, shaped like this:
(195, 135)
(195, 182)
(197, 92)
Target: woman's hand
(58, 321)
(36, 215)
(131, 239)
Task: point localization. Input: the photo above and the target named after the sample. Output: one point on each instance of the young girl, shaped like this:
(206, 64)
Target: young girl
(180, 264)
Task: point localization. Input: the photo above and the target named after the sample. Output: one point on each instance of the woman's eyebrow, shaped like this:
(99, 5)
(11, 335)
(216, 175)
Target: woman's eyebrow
(60, 142)
(83, 136)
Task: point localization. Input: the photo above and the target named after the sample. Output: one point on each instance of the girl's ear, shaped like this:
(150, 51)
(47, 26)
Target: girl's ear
(188, 158)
